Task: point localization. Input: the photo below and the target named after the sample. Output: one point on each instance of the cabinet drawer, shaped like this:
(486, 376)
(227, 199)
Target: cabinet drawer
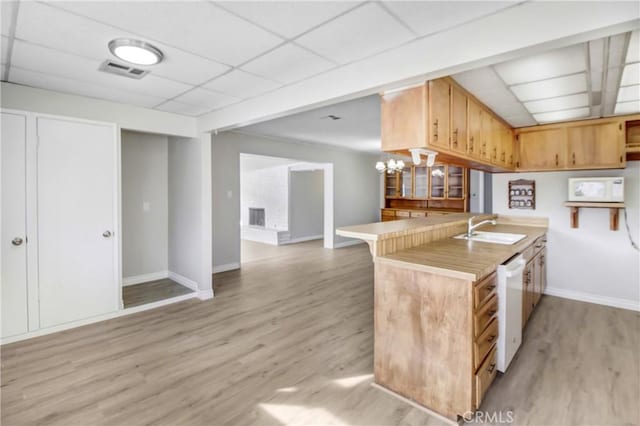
(485, 314)
(402, 214)
(539, 244)
(483, 290)
(484, 343)
(418, 214)
(485, 376)
(389, 213)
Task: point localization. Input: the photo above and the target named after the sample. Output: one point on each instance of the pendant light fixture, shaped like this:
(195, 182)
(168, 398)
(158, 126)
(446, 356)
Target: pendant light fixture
(391, 166)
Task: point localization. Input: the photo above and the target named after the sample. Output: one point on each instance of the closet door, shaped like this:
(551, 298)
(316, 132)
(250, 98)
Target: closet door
(76, 220)
(13, 232)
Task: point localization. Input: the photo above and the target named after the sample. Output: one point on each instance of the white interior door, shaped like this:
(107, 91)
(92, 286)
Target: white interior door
(76, 220)
(13, 230)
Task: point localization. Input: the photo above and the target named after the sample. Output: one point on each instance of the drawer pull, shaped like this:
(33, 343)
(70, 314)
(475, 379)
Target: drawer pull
(538, 245)
(491, 368)
(491, 313)
(491, 287)
(491, 338)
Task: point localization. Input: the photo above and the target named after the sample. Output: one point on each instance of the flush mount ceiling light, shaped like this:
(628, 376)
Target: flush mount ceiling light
(135, 51)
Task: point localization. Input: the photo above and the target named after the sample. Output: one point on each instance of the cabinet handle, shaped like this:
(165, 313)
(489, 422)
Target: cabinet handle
(495, 152)
(573, 158)
(556, 159)
(455, 139)
(491, 368)
(621, 159)
(491, 313)
(502, 157)
(435, 130)
(471, 144)
(511, 159)
(17, 241)
(517, 164)
(491, 338)
(491, 287)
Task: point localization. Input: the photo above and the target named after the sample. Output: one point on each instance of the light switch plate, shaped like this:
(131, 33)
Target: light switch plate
(146, 206)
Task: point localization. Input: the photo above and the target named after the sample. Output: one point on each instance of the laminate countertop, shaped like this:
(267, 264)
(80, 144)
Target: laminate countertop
(469, 260)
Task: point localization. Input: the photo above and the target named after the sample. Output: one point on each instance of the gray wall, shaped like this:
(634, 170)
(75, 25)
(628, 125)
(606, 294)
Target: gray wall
(590, 262)
(306, 193)
(356, 185)
(144, 181)
(185, 208)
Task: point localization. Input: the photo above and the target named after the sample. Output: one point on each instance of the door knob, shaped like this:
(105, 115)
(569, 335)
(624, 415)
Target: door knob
(17, 241)
(106, 234)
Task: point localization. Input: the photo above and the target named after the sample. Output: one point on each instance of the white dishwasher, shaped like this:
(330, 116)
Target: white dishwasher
(509, 310)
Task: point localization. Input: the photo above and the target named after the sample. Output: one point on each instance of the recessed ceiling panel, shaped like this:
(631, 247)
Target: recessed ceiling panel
(206, 98)
(551, 88)
(287, 64)
(480, 79)
(627, 107)
(555, 63)
(557, 104)
(428, 17)
(5, 50)
(7, 10)
(357, 34)
(288, 18)
(633, 52)
(630, 75)
(198, 27)
(73, 86)
(181, 108)
(49, 61)
(629, 93)
(59, 29)
(241, 84)
(569, 114)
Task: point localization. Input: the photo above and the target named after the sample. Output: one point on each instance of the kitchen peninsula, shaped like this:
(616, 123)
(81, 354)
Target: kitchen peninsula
(435, 309)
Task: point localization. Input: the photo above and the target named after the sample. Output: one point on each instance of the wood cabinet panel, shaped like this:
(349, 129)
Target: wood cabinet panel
(439, 113)
(484, 290)
(474, 145)
(485, 376)
(485, 342)
(459, 133)
(403, 119)
(484, 315)
(542, 149)
(598, 145)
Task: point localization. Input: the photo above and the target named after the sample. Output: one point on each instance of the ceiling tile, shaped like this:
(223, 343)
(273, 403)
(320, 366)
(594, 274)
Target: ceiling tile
(428, 17)
(524, 120)
(633, 51)
(555, 63)
(569, 114)
(630, 75)
(241, 84)
(206, 98)
(287, 18)
(198, 27)
(48, 26)
(287, 64)
(551, 88)
(7, 9)
(629, 93)
(627, 107)
(479, 79)
(5, 50)
(184, 109)
(73, 86)
(557, 104)
(44, 60)
(360, 33)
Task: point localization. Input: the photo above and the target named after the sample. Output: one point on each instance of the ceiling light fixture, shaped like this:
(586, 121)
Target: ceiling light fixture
(135, 51)
(417, 152)
(392, 166)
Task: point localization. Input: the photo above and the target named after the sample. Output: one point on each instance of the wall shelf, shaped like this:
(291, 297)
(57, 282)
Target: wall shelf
(614, 209)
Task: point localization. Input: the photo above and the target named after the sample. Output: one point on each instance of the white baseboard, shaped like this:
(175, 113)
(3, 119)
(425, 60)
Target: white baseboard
(205, 294)
(225, 267)
(98, 318)
(632, 305)
(301, 239)
(144, 278)
(348, 243)
(184, 281)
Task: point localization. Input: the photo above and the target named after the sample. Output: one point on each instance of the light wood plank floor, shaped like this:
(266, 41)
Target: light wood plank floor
(153, 291)
(288, 340)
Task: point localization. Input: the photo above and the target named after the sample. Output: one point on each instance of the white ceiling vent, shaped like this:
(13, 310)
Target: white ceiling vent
(125, 70)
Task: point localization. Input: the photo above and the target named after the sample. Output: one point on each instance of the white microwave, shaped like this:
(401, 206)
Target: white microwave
(599, 189)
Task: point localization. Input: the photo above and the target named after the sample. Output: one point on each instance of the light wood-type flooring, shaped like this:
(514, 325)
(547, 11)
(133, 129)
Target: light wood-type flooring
(152, 291)
(288, 340)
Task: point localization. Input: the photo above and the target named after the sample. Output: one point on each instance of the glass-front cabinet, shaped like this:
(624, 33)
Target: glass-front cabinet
(391, 185)
(420, 182)
(455, 182)
(440, 182)
(406, 183)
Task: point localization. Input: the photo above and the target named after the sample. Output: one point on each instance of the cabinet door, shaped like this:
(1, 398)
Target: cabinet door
(77, 205)
(488, 127)
(391, 185)
(403, 119)
(406, 183)
(13, 232)
(437, 179)
(439, 120)
(474, 147)
(527, 284)
(507, 146)
(455, 183)
(542, 149)
(592, 146)
(420, 182)
(459, 132)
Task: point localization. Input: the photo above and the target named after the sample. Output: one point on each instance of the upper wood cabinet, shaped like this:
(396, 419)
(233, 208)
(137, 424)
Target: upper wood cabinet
(459, 133)
(541, 149)
(599, 145)
(474, 142)
(439, 113)
(403, 119)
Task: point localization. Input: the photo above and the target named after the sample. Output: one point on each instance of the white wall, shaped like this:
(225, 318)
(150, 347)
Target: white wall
(306, 189)
(266, 188)
(145, 221)
(356, 195)
(591, 262)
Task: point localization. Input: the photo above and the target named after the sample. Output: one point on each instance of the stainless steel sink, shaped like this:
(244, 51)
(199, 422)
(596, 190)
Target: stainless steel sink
(492, 237)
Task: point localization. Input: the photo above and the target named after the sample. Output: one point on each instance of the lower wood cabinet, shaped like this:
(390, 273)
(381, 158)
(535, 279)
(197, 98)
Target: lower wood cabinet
(534, 279)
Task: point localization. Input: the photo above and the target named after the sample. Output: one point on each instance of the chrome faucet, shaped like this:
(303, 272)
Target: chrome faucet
(471, 226)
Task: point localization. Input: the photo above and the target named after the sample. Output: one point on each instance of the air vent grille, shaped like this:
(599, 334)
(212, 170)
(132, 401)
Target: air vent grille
(124, 70)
